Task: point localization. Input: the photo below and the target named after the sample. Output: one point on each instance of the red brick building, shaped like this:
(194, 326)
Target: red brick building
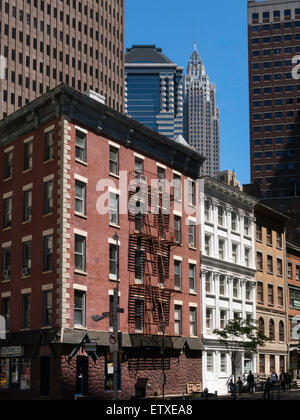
(59, 264)
(293, 279)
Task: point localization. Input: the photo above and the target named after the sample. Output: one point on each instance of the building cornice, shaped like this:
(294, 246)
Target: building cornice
(79, 108)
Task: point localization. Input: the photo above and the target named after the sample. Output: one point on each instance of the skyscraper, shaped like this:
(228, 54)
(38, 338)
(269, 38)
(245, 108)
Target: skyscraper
(154, 95)
(201, 114)
(274, 40)
(49, 42)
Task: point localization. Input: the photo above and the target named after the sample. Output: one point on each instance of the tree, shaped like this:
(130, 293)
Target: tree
(241, 335)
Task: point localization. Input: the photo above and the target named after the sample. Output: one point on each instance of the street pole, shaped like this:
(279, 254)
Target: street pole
(116, 323)
(163, 362)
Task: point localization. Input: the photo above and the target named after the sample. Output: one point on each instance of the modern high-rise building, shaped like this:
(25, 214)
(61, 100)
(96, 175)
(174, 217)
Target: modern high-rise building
(154, 90)
(274, 41)
(45, 43)
(201, 114)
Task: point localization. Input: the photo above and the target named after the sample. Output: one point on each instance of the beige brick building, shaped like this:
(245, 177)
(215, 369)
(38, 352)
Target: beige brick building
(271, 289)
(46, 43)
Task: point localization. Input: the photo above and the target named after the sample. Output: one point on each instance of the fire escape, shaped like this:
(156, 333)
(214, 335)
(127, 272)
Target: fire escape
(150, 243)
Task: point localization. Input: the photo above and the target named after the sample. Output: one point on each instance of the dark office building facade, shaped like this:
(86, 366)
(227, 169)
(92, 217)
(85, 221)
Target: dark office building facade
(154, 90)
(274, 43)
(46, 43)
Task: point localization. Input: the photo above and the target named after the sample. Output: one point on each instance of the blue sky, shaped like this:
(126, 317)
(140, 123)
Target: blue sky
(221, 35)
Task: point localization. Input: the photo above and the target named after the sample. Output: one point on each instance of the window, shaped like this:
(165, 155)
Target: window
(8, 165)
(113, 263)
(27, 210)
(261, 326)
(47, 308)
(80, 253)
(192, 278)
(298, 272)
(80, 197)
(177, 274)
(114, 160)
(28, 149)
(248, 291)
(247, 257)
(221, 249)
(290, 270)
(269, 237)
(49, 146)
(80, 147)
(223, 319)
(178, 320)
(223, 363)
(161, 176)
(209, 319)
(208, 283)
(177, 188)
(258, 233)
(139, 265)
(138, 167)
(270, 264)
(294, 299)
(26, 310)
(279, 267)
(220, 216)
(177, 228)
(259, 261)
(6, 312)
(27, 258)
(79, 308)
(281, 331)
(15, 374)
(6, 263)
(279, 240)
(246, 226)
(193, 322)
(192, 193)
(113, 209)
(48, 194)
(233, 221)
(236, 288)
(208, 245)
(48, 252)
(210, 362)
(235, 253)
(262, 363)
(7, 218)
(272, 330)
(139, 315)
(192, 234)
(260, 292)
(222, 286)
(270, 295)
(207, 210)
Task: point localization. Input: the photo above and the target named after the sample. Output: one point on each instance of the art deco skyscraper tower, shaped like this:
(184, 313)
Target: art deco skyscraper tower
(201, 115)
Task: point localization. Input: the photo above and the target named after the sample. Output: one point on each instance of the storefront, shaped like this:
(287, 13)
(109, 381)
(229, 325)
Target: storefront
(14, 369)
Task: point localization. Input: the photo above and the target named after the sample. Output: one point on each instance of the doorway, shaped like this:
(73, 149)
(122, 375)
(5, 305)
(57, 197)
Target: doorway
(82, 372)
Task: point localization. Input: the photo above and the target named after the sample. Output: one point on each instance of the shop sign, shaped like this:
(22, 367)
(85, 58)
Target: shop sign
(16, 351)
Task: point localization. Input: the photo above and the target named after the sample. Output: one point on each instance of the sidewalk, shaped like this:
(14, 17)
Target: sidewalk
(292, 395)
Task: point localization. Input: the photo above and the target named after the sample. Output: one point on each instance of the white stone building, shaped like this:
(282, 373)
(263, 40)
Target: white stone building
(227, 276)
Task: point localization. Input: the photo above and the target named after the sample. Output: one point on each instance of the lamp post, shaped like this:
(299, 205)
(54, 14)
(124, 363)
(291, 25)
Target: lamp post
(116, 321)
(115, 318)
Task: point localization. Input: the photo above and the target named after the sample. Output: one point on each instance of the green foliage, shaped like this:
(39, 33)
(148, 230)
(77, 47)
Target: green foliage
(242, 334)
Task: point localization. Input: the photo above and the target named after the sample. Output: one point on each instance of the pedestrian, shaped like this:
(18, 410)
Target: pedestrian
(232, 387)
(274, 377)
(267, 389)
(283, 380)
(288, 380)
(250, 382)
(239, 385)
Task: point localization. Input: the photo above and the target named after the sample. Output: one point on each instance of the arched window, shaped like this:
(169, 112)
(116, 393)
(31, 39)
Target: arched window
(272, 330)
(281, 331)
(261, 326)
